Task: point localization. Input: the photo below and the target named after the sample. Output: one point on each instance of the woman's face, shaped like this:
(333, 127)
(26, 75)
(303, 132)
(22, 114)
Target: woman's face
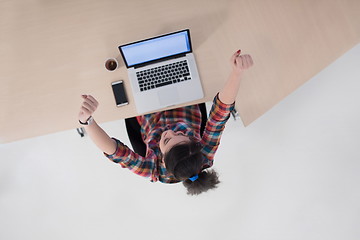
(170, 138)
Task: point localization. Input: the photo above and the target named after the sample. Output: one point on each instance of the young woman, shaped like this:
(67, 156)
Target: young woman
(176, 151)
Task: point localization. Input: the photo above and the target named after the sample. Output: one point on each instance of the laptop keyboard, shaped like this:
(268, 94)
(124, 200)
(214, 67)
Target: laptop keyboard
(163, 75)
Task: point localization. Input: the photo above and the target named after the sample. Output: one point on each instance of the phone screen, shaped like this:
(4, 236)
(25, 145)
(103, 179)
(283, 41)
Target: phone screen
(119, 93)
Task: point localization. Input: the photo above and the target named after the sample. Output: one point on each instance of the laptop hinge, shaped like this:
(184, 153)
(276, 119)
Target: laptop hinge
(160, 60)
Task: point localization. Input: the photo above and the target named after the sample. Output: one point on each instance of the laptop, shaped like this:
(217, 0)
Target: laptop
(162, 71)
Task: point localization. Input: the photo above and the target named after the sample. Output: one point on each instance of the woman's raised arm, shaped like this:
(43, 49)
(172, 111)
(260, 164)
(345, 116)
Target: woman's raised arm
(239, 63)
(96, 133)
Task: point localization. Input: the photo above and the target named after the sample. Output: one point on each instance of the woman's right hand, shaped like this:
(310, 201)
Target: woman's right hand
(88, 107)
(241, 62)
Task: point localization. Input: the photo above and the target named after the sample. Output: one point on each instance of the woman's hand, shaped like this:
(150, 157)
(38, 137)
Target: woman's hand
(96, 133)
(88, 107)
(241, 62)
(230, 90)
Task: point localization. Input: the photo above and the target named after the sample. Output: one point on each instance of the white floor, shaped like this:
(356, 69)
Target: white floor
(292, 174)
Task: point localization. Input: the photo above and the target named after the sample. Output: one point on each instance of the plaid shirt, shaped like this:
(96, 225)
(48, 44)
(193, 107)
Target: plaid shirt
(184, 119)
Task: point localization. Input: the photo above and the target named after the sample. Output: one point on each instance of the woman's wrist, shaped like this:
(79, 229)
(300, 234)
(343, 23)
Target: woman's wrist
(87, 121)
(236, 74)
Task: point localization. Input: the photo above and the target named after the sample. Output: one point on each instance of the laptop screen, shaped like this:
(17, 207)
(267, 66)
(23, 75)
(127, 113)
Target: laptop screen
(156, 48)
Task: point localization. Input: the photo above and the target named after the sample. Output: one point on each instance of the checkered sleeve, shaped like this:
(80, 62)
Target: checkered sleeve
(219, 114)
(131, 160)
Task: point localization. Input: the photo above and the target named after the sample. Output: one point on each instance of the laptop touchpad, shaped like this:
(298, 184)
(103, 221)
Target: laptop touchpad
(168, 96)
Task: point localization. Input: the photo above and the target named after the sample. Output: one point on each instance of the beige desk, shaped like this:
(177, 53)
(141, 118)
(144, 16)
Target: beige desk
(51, 52)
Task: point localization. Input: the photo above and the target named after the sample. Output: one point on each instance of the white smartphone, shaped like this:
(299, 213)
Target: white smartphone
(119, 93)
